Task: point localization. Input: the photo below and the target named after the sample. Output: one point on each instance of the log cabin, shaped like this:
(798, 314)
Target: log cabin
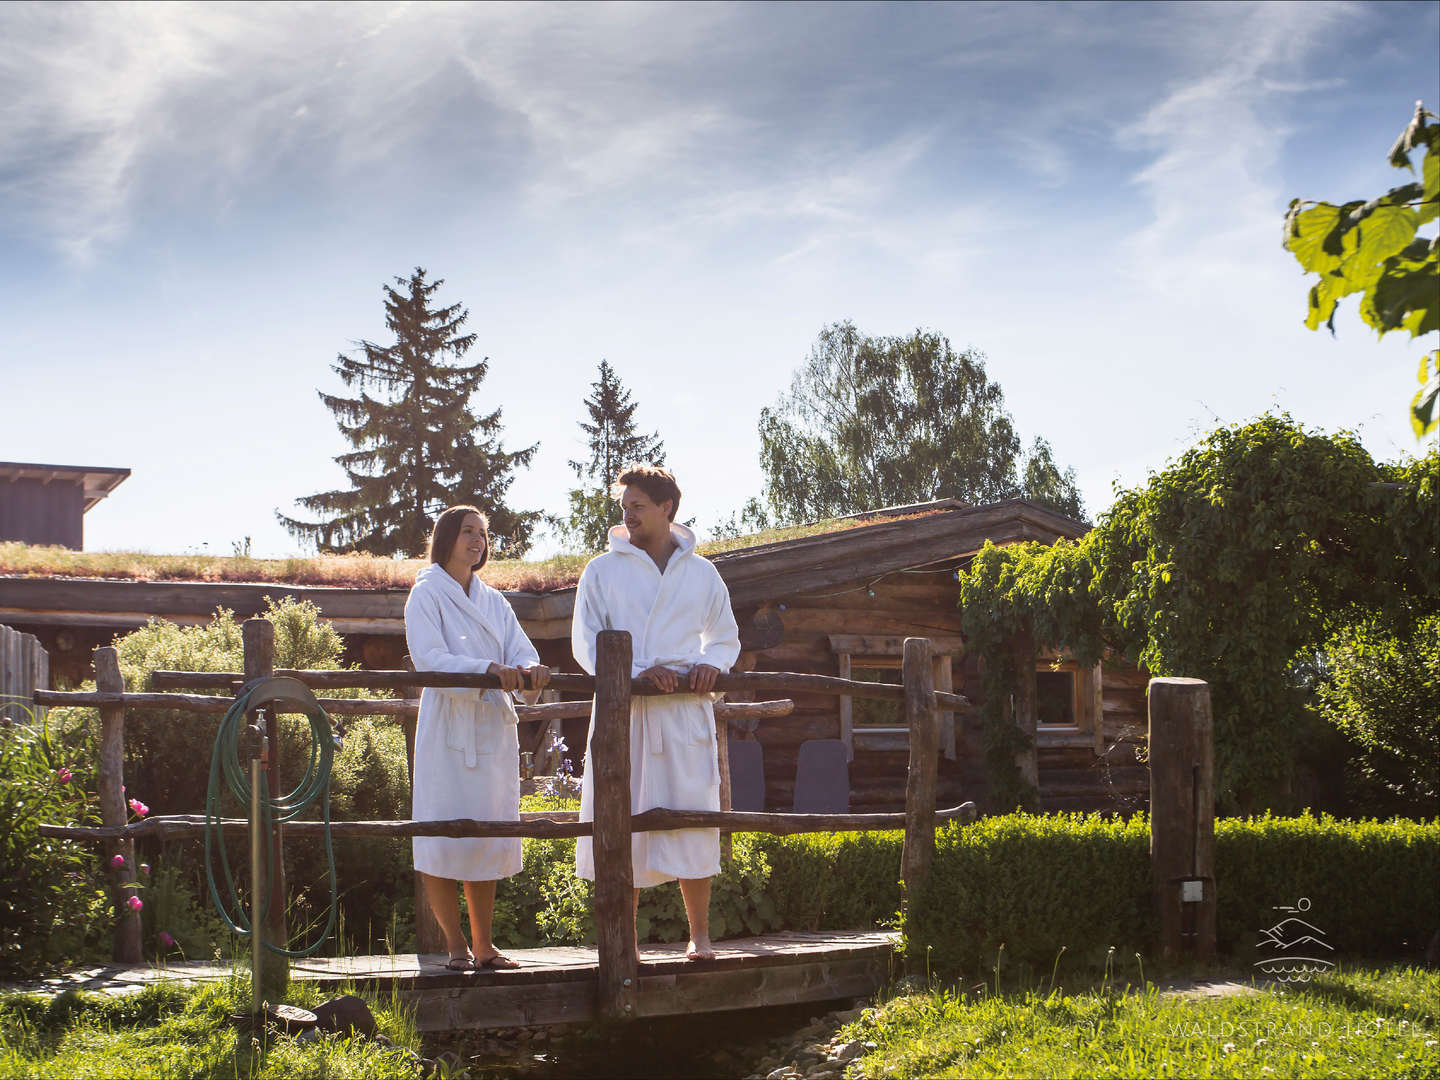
(838, 602)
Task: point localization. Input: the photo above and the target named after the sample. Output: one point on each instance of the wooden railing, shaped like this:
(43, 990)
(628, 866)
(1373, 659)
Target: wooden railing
(609, 766)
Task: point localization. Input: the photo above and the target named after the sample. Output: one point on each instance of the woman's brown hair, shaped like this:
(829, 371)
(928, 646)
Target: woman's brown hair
(447, 531)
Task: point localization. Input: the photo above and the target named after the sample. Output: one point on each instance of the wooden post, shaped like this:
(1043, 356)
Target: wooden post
(258, 636)
(614, 867)
(847, 708)
(110, 787)
(1026, 716)
(1182, 815)
(917, 673)
(722, 757)
(429, 938)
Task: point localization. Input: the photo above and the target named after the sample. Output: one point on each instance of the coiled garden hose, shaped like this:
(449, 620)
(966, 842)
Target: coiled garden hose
(225, 763)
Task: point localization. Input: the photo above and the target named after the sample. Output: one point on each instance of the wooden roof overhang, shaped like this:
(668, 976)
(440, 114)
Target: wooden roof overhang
(95, 481)
(754, 575)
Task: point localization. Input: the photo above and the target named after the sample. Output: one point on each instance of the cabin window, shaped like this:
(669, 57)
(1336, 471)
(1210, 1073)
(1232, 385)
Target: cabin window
(871, 712)
(1055, 698)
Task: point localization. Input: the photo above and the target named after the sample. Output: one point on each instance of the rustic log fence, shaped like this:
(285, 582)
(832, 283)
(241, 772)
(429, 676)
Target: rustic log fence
(610, 765)
(24, 668)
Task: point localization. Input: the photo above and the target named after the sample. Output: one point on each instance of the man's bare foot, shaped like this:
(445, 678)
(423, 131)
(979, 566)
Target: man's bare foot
(700, 949)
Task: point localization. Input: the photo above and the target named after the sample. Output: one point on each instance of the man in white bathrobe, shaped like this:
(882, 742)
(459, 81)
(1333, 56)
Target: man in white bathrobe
(677, 611)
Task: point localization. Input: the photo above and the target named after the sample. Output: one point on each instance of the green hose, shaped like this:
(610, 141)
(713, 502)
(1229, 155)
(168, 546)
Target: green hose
(225, 761)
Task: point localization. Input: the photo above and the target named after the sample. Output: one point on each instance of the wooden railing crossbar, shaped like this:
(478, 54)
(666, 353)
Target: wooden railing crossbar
(739, 682)
(207, 703)
(553, 825)
(609, 765)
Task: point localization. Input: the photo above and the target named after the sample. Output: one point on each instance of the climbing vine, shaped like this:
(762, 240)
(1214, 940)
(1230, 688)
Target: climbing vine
(1233, 565)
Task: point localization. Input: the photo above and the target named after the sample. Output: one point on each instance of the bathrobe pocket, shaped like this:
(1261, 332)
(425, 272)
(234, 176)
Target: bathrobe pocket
(474, 726)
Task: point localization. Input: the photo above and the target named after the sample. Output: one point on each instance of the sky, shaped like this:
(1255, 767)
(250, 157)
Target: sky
(199, 205)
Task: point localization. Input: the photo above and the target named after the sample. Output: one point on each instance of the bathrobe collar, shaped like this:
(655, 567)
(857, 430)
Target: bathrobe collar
(684, 541)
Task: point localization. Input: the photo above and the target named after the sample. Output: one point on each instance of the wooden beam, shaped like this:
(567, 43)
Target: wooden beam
(110, 789)
(750, 681)
(1182, 815)
(847, 709)
(890, 645)
(403, 707)
(919, 849)
(258, 639)
(614, 866)
(550, 825)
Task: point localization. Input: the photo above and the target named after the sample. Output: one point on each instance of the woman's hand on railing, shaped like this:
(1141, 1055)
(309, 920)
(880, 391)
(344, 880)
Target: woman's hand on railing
(536, 676)
(510, 678)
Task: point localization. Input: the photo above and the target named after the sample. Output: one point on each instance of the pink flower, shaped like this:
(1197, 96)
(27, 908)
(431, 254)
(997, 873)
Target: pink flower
(64, 775)
(166, 940)
(138, 808)
(135, 903)
(117, 861)
(145, 868)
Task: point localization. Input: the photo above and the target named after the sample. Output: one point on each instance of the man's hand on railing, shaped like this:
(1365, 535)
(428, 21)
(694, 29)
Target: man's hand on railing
(702, 678)
(663, 678)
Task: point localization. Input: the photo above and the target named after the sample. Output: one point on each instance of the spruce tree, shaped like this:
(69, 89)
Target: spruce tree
(418, 446)
(614, 443)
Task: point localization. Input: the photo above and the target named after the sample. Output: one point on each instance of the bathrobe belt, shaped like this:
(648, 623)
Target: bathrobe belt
(462, 720)
(652, 728)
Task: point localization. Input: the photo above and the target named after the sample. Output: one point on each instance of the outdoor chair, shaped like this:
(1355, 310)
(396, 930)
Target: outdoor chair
(747, 775)
(822, 778)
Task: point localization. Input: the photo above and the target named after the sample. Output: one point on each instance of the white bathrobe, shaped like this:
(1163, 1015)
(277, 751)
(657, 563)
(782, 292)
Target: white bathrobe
(467, 754)
(677, 619)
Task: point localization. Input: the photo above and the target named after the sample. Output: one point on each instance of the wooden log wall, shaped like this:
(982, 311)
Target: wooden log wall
(1077, 771)
(898, 606)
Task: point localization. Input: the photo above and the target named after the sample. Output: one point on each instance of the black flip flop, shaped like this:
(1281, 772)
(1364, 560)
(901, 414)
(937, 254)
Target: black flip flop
(460, 963)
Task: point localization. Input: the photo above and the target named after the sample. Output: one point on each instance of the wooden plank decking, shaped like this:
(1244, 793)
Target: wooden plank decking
(557, 984)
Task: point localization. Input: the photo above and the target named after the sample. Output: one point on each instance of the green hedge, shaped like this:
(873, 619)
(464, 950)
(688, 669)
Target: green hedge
(1034, 884)
(1373, 886)
(1039, 883)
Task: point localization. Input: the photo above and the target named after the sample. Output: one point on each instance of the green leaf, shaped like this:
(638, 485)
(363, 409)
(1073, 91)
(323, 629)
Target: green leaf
(1384, 232)
(1305, 235)
(1406, 296)
(1424, 417)
(1431, 173)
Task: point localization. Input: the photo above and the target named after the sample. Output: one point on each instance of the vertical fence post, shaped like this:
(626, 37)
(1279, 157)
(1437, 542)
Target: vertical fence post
(1182, 815)
(258, 636)
(917, 673)
(110, 787)
(614, 869)
(1027, 717)
(429, 938)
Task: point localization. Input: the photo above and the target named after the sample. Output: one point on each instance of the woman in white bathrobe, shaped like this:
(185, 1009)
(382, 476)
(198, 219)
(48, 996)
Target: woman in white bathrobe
(467, 754)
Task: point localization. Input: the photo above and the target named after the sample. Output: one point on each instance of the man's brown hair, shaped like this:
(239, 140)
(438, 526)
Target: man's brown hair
(659, 484)
(447, 531)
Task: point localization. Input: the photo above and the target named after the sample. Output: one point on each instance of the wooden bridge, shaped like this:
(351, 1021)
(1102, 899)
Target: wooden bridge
(555, 984)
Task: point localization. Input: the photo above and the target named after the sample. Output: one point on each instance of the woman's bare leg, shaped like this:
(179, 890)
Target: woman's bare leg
(480, 899)
(444, 902)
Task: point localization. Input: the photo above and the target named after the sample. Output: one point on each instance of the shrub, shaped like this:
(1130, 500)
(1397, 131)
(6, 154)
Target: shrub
(1373, 886)
(167, 757)
(834, 881)
(50, 890)
(1383, 692)
(1034, 884)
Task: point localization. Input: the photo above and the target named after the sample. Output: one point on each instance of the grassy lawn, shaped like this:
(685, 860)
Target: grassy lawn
(168, 1031)
(1355, 1023)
